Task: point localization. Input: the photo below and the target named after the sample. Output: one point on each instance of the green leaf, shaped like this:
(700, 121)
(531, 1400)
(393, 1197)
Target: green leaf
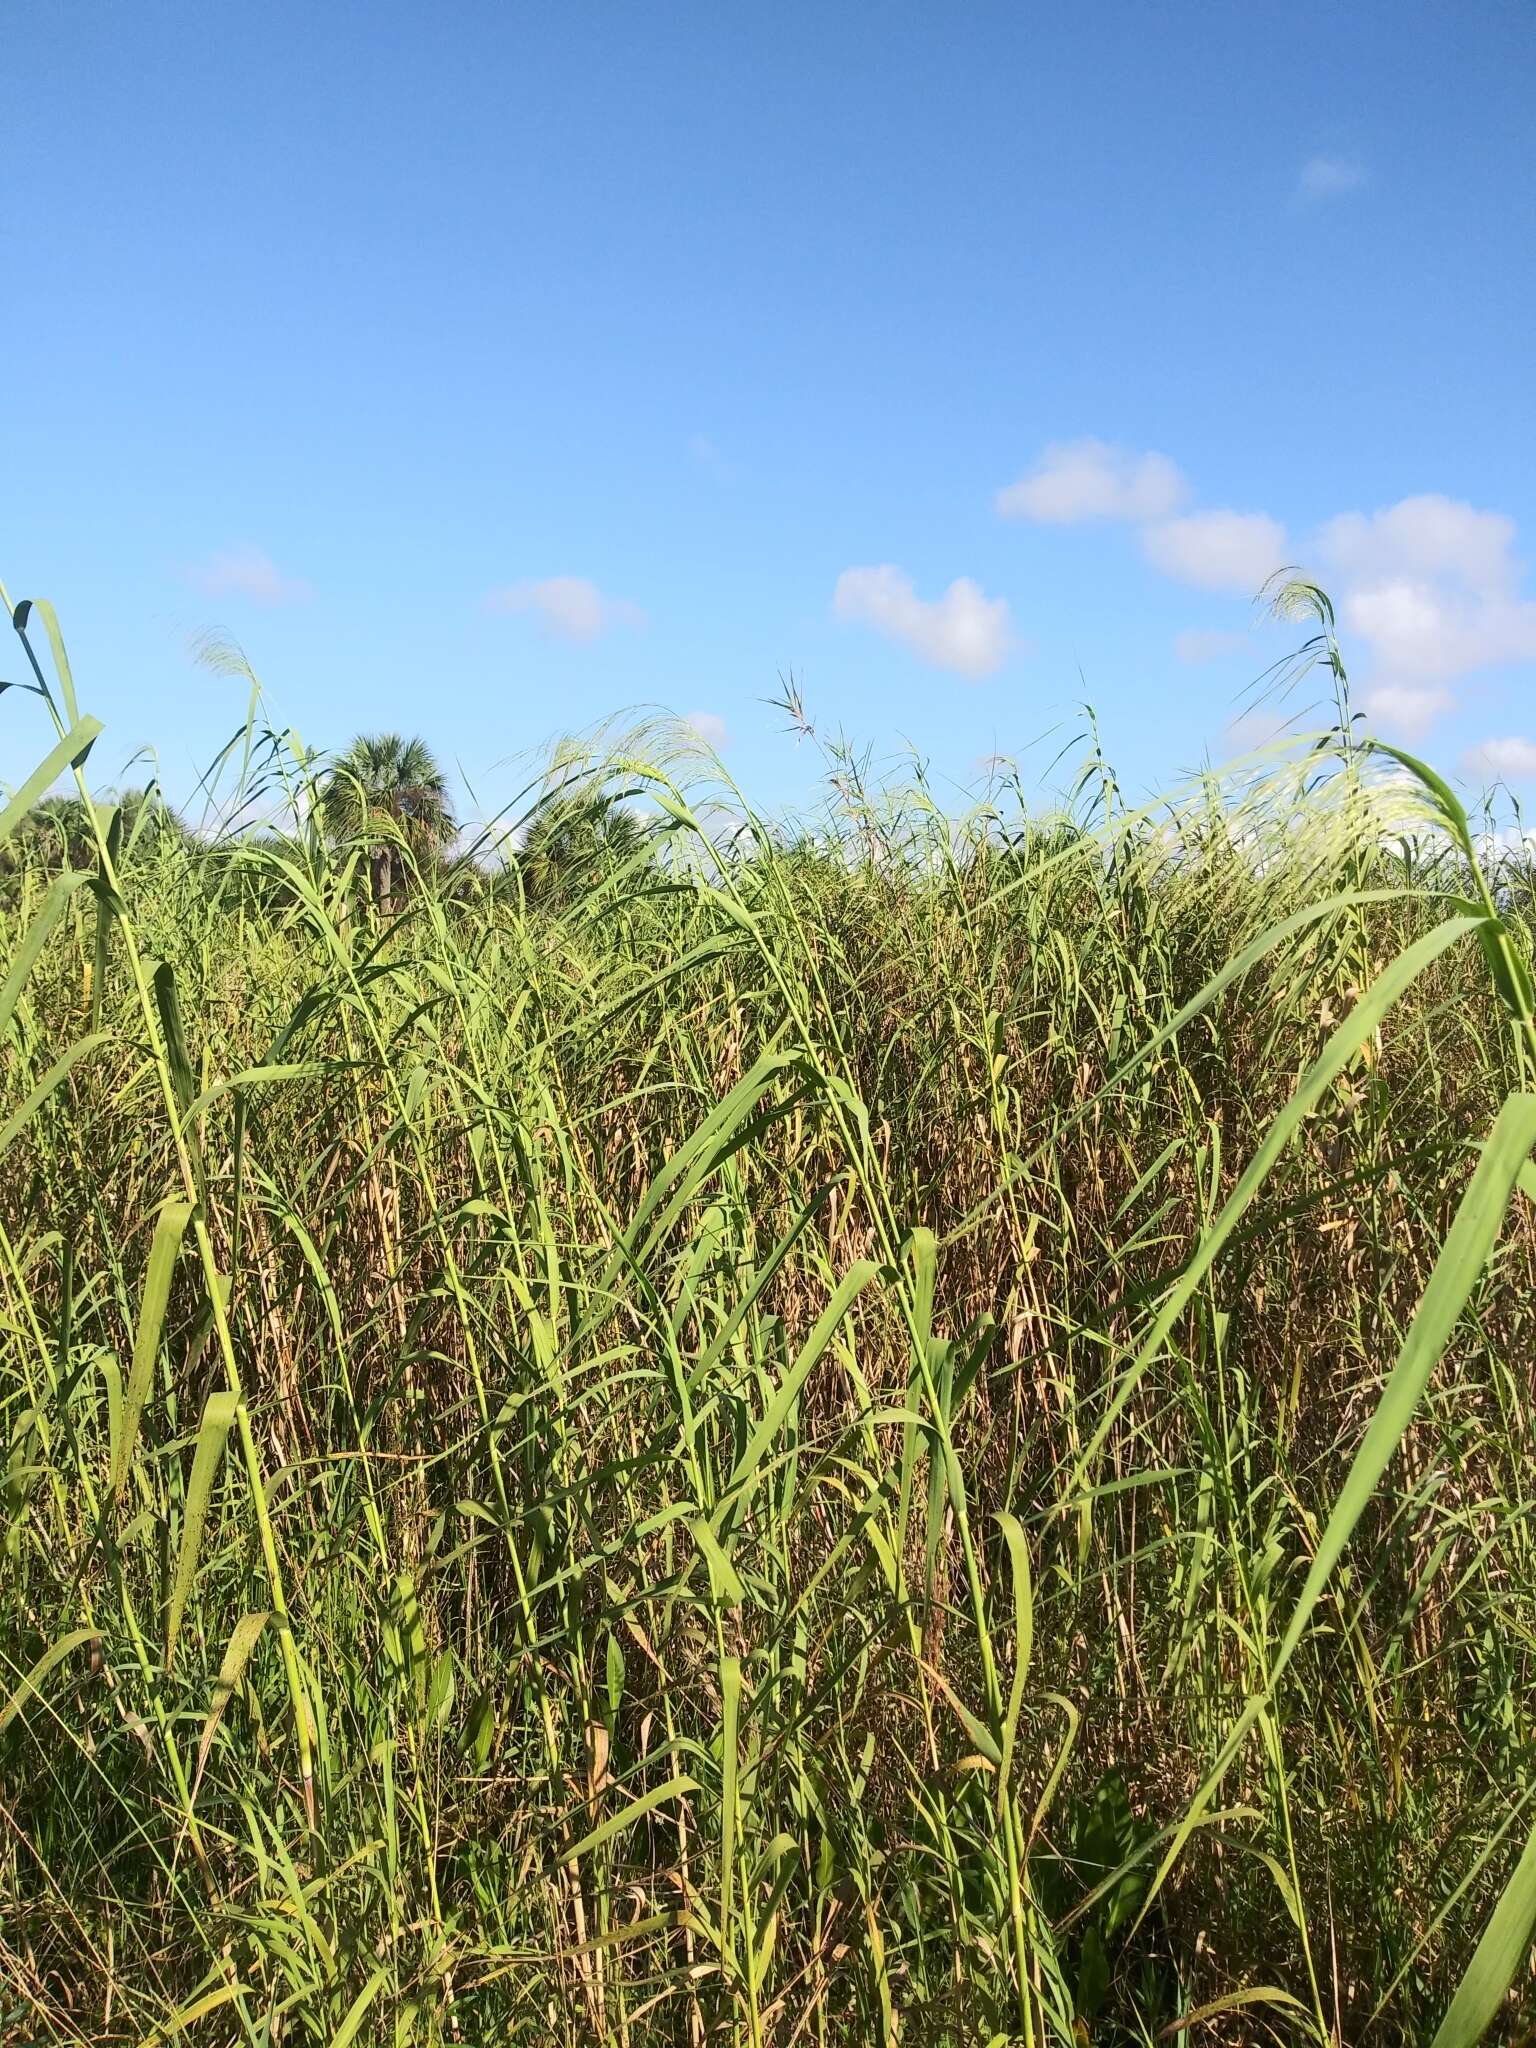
(28, 1686)
(175, 1038)
(723, 1582)
(480, 1729)
(1023, 1635)
(61, 1069)
(675, 1788)
(185, 2015)
(1340, 1049)
(169, 1231)
(1497, 1958)
(74, 746)
(853, 1283)
(50, 618)
(237, 1655)
(1461, 1261)
(347, 2032)
(218, 1415)
(32, 944)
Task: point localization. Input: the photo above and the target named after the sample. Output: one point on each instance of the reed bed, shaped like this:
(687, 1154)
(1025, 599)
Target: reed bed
(916, 1430)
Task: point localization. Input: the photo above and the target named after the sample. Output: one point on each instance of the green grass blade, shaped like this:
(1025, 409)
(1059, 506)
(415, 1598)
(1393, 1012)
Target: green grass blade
(237, 1655)
(169, 1230)
(218, 1416)
(675, 1788)
(848, 1290)
(36, 937)
(61, 1069)
(27, 1689)
(44, 608)
(1460, 1265)
(1343, 1045)
(1497, 1959)
(351, 2026)
(74, 747)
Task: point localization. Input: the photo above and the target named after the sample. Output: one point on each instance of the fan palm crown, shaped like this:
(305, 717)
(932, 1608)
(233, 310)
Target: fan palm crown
(385, 788)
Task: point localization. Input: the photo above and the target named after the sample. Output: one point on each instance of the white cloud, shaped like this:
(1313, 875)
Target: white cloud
(1509, 839)
(1329, 177)
(1427, 590)
(1218, 550)
(963, 630)
(1253, 732)
(249, 573)
(1432, 588)
(1428, 536)
(1198, 643)
(571, 606)
(1407, 709)
(708, 727)
(1076, 481)
(1505, 760)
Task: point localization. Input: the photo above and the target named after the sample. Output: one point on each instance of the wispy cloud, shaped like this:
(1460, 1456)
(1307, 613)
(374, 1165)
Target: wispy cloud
(1219, 550)
(1252, 732)
(571, 607)
(707, 456)
(709, 728)
(249, 573)
(1503, 760)
(1200, 643)
(1407, 710)
(1076, 481)
(963, 630)
(1329, 177)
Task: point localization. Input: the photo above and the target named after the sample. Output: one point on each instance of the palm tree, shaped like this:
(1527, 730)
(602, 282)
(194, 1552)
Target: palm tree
(383, 790)
(60, 832)
(572, 845)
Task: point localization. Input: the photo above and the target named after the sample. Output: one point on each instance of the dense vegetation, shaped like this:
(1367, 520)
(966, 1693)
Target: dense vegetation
(919, 1430)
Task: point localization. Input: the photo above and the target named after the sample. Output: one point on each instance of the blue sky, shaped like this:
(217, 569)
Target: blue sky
(484, 370)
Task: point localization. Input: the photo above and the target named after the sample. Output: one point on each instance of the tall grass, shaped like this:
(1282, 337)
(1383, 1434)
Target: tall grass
(919, 1431)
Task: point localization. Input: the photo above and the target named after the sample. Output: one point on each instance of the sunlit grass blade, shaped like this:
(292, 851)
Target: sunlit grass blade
(30, 1684)
(1497, 1959)
(74, 747)
(170, 1228)
(1457, 1271)
(218, 1416)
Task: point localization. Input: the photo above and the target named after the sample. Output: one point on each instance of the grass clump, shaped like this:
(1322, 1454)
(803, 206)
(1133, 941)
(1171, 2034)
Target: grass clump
(917, 1431)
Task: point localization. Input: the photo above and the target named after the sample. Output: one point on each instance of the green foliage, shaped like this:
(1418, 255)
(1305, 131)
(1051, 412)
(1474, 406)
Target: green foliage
(389, 795)
(574, 844)
(911, 1430)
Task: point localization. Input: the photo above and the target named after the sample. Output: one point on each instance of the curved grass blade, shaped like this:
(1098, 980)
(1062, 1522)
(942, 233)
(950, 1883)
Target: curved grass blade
(1463, 1256)
(61, 1069)
(1496, 1959)
(186, 2015)
(1340, 1049)
(70, 752)
(26, 955)
(169, 1231)
(218, 1416)
(44, 608)
(237, 1655)
(675, 1788)
(40, 1670)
